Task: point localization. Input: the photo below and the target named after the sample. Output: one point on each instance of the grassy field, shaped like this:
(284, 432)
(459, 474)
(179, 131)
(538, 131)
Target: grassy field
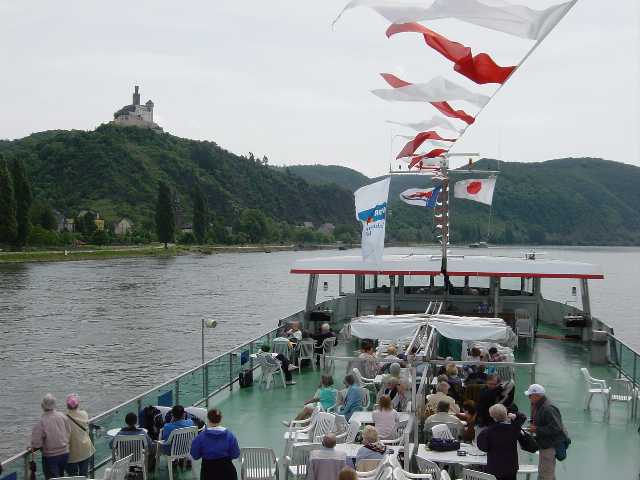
(89, 253)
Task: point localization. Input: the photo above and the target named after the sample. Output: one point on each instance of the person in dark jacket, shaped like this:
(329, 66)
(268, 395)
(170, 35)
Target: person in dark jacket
(500, 441)
(490, 395)
(325, 333)
(546, 424)
(217, 447)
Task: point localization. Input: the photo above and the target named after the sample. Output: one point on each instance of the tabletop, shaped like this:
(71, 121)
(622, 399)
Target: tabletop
(473, 456)
(114, 431)
(367, 417)
(255, 355)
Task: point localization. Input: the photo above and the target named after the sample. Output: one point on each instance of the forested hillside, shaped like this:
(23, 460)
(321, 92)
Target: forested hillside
(566, 201)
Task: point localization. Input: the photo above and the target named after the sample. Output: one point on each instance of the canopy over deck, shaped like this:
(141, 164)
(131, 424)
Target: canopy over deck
(458, 266)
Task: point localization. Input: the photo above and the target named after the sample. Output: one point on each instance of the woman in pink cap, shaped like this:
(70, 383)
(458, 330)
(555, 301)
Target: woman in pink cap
(80, 447)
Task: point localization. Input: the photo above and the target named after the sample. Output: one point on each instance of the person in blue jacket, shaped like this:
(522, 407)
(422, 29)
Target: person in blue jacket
(179, 421)
(352, 399)
(217, 447)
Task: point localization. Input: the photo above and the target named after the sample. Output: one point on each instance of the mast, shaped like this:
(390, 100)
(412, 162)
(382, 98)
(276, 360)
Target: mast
(444, 212)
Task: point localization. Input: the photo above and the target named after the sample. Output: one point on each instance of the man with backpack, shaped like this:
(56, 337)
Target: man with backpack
(546, 424)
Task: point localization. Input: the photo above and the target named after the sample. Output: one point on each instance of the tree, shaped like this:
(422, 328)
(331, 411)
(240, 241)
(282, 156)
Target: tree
(253, 224)
(200, 215)
(8, 223)
(24, 198)
(42, 214)
(165, 216)
(86, 224)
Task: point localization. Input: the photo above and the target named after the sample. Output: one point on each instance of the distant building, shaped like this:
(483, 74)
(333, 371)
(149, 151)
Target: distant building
(136, 115)
(69, 225)
(59, 221)
(307, 224)
(327, 228)
(123, 226)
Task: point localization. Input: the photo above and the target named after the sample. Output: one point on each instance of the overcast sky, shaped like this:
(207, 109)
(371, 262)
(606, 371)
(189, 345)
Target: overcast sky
(273, 78)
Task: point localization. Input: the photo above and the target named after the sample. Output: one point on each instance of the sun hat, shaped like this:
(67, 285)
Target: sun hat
(535, 389)
(72, 401)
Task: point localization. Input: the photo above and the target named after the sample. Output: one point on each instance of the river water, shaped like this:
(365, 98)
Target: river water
(109, 330)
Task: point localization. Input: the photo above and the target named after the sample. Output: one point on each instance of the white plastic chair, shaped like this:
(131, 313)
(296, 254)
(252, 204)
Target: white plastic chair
(119, 469)
(368, 465)
(325, 423)
(475, 475)
(281, 345)
(306, 352)
(328, 345)
(179, 441)
(258, 464)
(444, 475)
(133, 447)
(382, 471)
(298, 424)
(621, 391)
(350, 434)
(363, 381)
(428, 467)
(366, 398)
(528, 470)
(594, 386)
(297, 463)
(524, 326)
(268, 370)
(400, 474)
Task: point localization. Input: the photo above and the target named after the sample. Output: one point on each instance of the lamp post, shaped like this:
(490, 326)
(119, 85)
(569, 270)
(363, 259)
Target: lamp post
(206, 323)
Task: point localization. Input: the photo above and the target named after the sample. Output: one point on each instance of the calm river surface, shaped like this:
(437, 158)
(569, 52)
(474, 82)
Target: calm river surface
(109, 330)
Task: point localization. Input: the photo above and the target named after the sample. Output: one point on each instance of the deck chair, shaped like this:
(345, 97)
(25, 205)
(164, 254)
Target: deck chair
(258, 464)
(622, 392)
(594, 386)
(400, 474)
(524, 326)
(268, 371)
(297, 463)
(325, 423)
(349, 435)
(306, 352)
(428, 467)
(362, 381)
(475, 475)
(368, 465)
(119, 469)
(528, 470)
(381, 471)
(179, 441)
(281, 345)
(133, 447)
(328, 345)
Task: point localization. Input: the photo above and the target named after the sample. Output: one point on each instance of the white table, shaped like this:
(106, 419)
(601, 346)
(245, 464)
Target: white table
(351, 450)
(114, 431)
(473, 456)
(255, 355)
(366, 418)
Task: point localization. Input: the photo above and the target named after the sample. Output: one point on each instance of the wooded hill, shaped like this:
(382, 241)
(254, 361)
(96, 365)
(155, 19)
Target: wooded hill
(582, 201)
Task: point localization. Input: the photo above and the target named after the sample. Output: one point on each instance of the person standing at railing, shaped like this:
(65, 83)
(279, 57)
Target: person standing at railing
(51, 434)
(80, 447)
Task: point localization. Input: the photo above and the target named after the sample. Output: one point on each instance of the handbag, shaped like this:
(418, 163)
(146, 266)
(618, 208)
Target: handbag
(527, 442)
(444, 444)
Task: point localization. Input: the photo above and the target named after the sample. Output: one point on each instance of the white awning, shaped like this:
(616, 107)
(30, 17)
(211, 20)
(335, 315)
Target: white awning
(470, 328)
(386, 327)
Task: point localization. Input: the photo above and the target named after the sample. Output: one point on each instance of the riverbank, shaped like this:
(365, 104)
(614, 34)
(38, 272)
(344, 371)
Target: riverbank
(155, 250)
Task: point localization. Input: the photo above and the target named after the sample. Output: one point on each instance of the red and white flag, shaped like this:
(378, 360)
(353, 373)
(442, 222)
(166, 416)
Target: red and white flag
(476, 189)
(432, 122)
(412, 145)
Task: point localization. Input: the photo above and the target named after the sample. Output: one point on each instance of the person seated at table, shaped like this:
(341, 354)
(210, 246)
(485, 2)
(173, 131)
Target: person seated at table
(325, 396)
(325, 333)
(279, 359)
(441, 395)
(131, 428)
(476, 376)
(179, 420)
(390, 358)
(386, 419)
(368, 366)
(217, 447)
(489, 395)
(326, 462)
(500, 441)
(294, 333)
(455, 382)
(442, 415)
(371, 448)
(468, 415)
(496, 356)
(352, 399)
(396, 387)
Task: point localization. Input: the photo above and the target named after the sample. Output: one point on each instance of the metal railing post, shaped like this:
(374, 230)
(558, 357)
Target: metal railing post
(231, 371)
(177, 390)
(205, 383)
(634, 405)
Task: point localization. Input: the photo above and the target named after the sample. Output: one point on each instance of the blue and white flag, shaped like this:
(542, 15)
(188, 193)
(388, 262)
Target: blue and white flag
(422, 197)
(371, 211)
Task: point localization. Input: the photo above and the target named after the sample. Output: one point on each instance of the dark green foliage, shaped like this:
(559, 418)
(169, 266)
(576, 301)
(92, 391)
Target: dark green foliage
(200, 215)
(86, 224)
(42, 214)
(253, 224)
(8, 223)
(24, 198)
(165, 215)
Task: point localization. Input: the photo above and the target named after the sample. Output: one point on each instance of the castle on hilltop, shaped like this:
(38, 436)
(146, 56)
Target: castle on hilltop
(136, 115)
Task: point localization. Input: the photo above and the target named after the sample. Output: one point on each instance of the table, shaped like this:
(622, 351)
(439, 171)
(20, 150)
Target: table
(114, 431)
(367, 417)
(351, 450)
(255, 355)
(404, 374)
(473, 457)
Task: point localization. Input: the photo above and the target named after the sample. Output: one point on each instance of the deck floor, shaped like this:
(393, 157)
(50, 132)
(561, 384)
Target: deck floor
(600, 449)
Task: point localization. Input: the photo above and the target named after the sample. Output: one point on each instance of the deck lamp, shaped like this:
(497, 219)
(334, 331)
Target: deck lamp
(207, 323)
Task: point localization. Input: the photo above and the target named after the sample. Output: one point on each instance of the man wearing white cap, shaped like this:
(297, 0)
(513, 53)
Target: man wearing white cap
(546, 423)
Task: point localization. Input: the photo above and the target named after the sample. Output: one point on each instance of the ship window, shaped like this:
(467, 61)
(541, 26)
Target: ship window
(376, 283)
(423, 285)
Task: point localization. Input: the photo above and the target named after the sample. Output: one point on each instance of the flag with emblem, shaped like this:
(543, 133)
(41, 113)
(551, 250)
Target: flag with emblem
(422, 197)
(371, 212)
(476, 189)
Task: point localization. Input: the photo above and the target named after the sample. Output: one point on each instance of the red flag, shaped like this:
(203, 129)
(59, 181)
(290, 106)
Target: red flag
(436, 152)
(412, 145)
(443, 107)
(480, 68)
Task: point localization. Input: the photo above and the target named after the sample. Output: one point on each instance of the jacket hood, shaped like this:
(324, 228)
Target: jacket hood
(216, 432)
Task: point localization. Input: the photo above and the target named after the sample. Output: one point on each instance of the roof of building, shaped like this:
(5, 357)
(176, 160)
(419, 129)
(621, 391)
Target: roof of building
(458, 266)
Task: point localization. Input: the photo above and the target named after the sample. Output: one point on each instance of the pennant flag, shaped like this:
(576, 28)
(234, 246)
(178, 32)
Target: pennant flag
(437, 152)
(438, 89)
(412, 145)
(432, 143)
(442, 107)
(517, 20)
(479, 68)
(429, 124)
(421, 197)
(476, 189)
(371, 211)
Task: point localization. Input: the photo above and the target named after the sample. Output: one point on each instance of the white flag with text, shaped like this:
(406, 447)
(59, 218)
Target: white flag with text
(371, 212)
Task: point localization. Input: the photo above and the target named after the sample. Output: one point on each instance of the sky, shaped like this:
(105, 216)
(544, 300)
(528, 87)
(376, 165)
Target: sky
(275, 79)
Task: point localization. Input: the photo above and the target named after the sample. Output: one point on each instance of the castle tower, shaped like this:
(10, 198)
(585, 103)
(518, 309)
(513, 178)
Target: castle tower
(136, 96)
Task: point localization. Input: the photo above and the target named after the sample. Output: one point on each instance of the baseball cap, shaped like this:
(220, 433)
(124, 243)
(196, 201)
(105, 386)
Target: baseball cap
(534, 389)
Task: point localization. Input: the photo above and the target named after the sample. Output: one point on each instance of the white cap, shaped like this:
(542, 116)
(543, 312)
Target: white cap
(535, 389)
